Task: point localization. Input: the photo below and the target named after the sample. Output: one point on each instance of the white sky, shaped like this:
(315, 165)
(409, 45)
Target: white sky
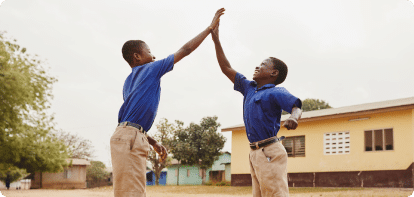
(345, 52)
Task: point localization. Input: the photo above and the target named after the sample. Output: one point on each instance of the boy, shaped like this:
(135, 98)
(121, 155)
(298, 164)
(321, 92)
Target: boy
(141, 93)
(262, 108)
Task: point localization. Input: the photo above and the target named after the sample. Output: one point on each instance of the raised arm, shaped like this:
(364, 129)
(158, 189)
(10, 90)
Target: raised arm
(191, 45)
(221, 58)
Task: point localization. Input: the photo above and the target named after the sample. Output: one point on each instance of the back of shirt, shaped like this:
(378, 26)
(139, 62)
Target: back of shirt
(142, 92)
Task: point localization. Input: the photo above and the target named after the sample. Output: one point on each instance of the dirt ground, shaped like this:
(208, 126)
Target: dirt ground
(109, 193)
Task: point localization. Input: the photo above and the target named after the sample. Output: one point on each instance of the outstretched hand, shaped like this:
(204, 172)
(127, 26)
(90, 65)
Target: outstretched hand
(216, 18)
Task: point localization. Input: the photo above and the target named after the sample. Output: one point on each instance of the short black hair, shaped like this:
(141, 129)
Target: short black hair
(282, 68)
(130, 47)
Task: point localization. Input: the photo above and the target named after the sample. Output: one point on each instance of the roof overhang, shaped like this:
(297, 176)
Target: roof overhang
(361, 111)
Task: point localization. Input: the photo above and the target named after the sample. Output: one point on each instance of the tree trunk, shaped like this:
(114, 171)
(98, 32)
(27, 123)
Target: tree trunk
(203, 173)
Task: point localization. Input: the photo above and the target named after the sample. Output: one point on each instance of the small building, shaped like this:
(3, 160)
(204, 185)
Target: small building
(366, 145)
(73, 177)
(179, 174)
(151, 178)
(20, 184)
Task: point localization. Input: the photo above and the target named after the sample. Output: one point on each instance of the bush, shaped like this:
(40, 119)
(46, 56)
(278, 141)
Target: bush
(222, 183)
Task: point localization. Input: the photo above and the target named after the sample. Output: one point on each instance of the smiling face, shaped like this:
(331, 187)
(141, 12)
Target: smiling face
(265, 71)
(145, 56)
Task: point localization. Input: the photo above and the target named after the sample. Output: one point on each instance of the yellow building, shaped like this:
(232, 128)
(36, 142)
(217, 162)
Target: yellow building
(367, 145)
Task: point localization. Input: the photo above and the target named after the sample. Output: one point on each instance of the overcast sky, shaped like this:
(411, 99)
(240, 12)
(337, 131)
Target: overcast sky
(345, 52)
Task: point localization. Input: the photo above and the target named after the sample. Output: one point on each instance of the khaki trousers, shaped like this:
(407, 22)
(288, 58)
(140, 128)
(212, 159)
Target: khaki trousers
(129, 151)
(268, 167)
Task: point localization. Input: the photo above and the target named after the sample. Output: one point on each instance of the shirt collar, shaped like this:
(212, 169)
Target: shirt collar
(269, 85)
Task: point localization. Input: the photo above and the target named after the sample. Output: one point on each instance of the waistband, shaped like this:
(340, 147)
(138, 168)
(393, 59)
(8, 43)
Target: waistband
(139, 127)
(265, 142)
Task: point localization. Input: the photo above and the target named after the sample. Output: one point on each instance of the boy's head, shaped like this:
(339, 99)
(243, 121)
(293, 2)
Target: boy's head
(271, 70)
(137, 52)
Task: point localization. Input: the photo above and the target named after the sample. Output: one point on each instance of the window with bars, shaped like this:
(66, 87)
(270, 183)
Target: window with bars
(295, 146)
(379, 139)
(336, 143)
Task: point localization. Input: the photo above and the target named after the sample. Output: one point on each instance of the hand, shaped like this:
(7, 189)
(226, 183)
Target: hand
(215, 32)
(290, 123)
(161, 150)
(216, 18)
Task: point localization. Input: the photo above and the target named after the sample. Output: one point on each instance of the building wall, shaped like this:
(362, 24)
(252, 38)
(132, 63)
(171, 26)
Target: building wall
(75, 180)
(194, 177)
(228, 172)
(399, 159)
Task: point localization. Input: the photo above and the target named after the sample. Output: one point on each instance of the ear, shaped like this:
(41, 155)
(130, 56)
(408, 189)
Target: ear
(137, 57)
(275, 73)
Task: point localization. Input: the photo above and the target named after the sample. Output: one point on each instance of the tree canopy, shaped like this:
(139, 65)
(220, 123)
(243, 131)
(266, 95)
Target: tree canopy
(314, 104)
(77, 147)
(25, 93)
(96, 172)
(198, 144)
(310, 104)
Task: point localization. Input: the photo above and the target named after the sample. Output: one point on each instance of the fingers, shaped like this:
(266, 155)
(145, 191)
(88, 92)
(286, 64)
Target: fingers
(290, 124)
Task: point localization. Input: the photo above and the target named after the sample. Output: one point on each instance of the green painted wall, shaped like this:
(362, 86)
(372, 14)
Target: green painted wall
(194, 177)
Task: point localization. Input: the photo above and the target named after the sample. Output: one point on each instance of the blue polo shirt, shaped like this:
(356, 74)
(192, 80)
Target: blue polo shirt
(262, 108)
(142, 92)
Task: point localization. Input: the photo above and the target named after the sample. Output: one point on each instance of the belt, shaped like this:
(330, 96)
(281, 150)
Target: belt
(256, 145)
(139, 127)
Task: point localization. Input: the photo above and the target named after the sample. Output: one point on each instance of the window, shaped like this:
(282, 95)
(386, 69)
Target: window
(336, 143)
(66, 173)
(379, 140)
(188, 172)
(295, 146)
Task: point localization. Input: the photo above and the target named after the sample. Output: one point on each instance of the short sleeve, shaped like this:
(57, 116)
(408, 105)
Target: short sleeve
(286, 100)
(241, 83)
(163, 66)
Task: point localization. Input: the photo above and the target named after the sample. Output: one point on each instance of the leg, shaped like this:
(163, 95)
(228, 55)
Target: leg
(255, 181)
(273, 171)
(129, 151)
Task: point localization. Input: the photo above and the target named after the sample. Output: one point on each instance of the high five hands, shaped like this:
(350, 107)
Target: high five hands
(216, 19)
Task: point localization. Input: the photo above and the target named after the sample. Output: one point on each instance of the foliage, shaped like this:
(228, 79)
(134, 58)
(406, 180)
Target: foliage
(312, 104)
(198, 144)
(76, 146)
(13, 173)
(221, 183)
(164, 136)
(96, 172)
(25, 90)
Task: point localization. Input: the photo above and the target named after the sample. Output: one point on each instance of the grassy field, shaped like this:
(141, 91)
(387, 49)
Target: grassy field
(213, 191)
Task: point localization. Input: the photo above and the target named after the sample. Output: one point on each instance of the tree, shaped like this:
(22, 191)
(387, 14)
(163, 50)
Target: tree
(164, 136)
(25, 91)
(11, 172)
(77, 147)
(198, 144)
(96, 172)
(312, 104)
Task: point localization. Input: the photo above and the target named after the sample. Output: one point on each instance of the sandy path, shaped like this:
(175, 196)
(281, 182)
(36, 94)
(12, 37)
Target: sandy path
(109, 193)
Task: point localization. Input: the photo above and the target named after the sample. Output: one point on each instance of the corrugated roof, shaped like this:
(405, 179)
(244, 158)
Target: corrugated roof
(404, 102)
(79, 162)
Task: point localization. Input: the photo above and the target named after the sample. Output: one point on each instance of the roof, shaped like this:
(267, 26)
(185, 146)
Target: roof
(79, 162)
(340, 112)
